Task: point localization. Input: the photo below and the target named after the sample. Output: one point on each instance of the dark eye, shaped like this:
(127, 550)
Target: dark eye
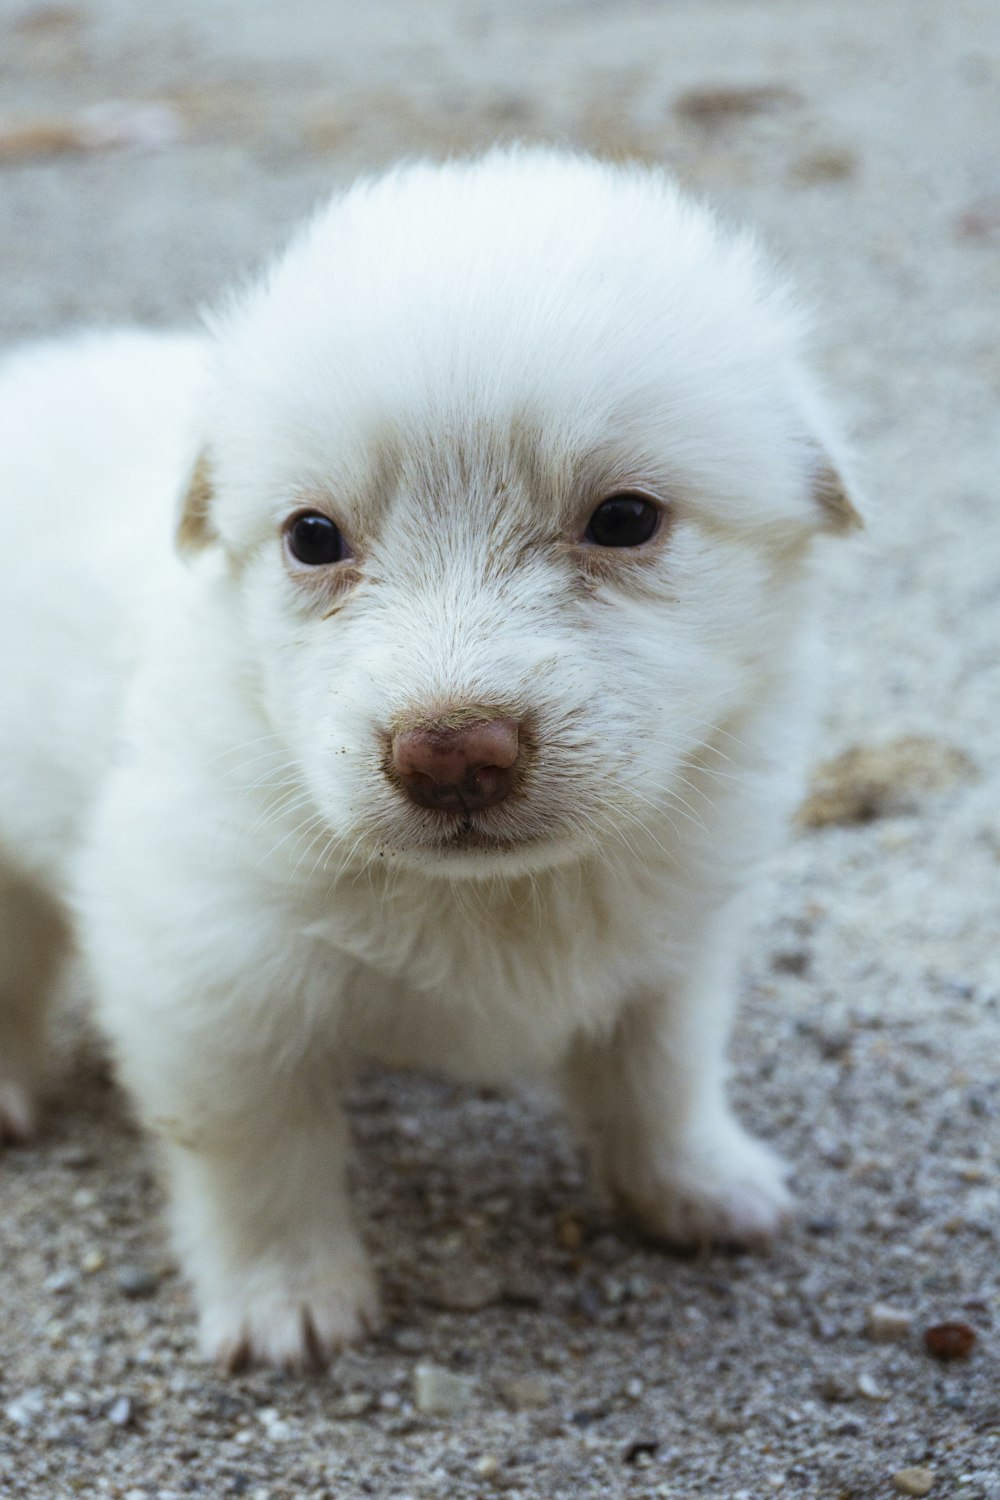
(623, 521)
(316, 541)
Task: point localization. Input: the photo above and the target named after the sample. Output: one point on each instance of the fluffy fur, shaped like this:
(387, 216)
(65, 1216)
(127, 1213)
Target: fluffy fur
(456, 364)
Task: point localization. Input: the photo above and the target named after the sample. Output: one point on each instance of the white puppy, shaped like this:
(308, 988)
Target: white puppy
(455, 735)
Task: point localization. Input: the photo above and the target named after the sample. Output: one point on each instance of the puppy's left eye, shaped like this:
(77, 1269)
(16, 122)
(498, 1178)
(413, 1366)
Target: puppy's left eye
(315, 540)
(625, 520)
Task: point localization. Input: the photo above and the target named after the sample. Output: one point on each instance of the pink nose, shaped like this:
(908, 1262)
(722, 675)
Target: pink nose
(457, 769)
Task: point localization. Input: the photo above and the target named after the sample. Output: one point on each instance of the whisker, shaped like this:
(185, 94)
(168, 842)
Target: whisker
(289, 804)
(301, 829)
(674, 798)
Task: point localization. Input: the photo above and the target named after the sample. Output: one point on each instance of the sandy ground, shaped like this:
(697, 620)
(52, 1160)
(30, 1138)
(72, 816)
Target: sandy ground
(862, 139)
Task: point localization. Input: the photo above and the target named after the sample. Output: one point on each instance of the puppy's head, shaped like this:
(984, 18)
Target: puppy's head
(516, 469)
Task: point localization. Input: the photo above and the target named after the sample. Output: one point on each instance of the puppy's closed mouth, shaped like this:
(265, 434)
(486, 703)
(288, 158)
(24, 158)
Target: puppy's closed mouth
(470, 830)
(467, 836)
(490, 835)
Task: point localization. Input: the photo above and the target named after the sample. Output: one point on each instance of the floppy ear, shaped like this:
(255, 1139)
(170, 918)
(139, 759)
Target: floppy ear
(194, 530)
(834, 496)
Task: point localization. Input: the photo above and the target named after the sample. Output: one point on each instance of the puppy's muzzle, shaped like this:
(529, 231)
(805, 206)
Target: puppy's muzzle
(457, 767)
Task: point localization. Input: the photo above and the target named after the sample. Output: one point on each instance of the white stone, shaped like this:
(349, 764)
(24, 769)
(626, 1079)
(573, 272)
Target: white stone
(887, 1323)
(440, 1392)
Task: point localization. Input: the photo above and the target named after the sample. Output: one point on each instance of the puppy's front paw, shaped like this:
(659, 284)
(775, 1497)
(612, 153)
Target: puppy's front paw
(297, 1323)
(727, 1187)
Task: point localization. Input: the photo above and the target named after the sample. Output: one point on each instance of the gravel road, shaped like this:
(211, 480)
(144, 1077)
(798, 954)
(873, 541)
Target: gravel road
(862, 139)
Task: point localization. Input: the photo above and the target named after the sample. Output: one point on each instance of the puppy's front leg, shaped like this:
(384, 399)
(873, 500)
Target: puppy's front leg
(257, 1180)
(263, 1224)
(651, 1100)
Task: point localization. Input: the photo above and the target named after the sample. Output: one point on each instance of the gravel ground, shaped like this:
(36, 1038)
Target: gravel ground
(861, 138)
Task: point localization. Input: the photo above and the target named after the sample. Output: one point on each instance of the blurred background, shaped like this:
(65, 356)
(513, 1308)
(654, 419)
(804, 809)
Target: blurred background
(151, 153)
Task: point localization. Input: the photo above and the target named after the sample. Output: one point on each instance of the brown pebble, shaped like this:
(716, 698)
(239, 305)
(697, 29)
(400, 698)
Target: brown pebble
(42, 19)
(97, 129)
(569, 1230)
(951, 1340)
(980, 221)
(831, 165)
(714, 105)
(875, 781)
(525, 1391)
(41, 136)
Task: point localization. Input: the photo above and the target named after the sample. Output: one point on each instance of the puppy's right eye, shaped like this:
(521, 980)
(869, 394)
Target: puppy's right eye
(315, 540)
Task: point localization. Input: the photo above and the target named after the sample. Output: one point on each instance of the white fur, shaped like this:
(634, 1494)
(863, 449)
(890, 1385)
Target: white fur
(459, 362)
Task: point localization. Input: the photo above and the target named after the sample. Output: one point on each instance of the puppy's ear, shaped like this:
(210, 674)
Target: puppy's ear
(828, 467)
(834, 496)
(194, 530)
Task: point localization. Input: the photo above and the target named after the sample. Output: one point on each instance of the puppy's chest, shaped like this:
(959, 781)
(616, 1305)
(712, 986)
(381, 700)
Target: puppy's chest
(481, 985)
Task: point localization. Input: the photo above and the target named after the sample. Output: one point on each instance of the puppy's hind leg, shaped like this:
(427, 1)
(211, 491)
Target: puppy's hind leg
(33, 945)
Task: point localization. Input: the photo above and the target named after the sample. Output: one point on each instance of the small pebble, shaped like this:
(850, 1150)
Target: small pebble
(794, 961)
(136, 1281)
(353, 1404)
(465, 1290)
(831, 164)
(121, 1412)
(836, 1388)
(23, 1410)
(569, 1230)
(408, 1340)
(886, 1323)
(524, 1392)
(522, 1289)
(823, 1224)
(60, 1281)
(77, 1157)
(915, 1481)
(728, 1421)
(869, 1387)
(439, 1392)
(274, 1424)
(951, 1340)
(642, 1453)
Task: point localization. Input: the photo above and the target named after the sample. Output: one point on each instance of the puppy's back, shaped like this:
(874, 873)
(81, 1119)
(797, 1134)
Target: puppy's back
(95, 435)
